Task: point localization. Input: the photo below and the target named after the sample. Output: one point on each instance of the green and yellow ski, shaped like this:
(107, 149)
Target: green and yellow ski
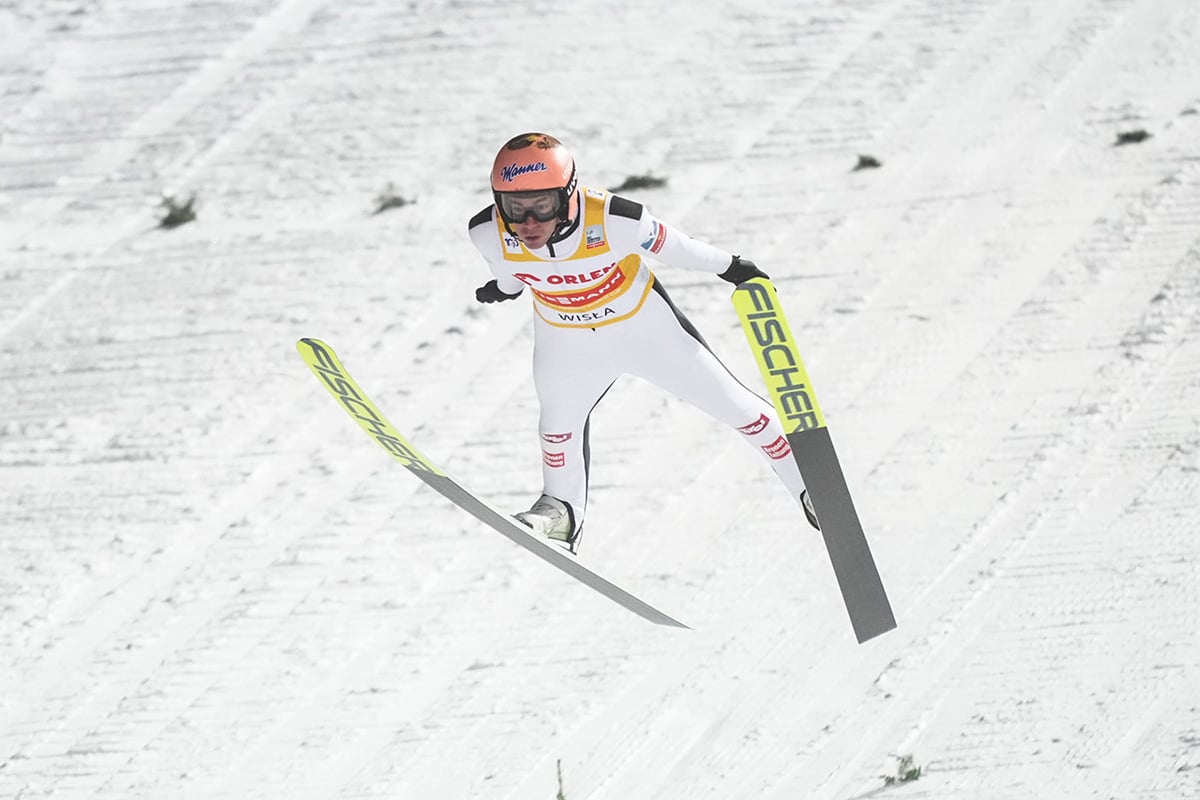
(791, 392)
(325, 364)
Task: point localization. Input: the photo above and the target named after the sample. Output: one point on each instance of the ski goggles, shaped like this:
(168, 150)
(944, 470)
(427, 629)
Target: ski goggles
(543, 206)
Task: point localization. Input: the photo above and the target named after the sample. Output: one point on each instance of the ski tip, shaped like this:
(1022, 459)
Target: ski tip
(310, 348)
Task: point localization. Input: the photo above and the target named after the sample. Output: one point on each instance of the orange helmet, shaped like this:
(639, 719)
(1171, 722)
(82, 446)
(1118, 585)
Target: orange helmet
(534, 174)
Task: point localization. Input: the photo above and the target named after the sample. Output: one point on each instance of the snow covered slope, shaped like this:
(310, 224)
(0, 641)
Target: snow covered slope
(212, 586)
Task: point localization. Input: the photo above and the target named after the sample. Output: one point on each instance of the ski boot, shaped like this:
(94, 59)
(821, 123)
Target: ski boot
(809, 513)
(552, 518)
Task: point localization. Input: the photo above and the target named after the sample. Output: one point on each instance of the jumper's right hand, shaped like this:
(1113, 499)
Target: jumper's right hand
(490, 293)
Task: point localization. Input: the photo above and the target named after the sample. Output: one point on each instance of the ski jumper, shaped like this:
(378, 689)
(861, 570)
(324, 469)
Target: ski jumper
(600, 313)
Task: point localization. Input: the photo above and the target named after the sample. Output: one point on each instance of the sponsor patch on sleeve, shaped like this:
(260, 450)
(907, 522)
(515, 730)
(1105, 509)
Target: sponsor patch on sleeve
(658, 236)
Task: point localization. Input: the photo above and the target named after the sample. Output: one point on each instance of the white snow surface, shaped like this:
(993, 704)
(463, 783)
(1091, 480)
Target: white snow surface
(212, 585)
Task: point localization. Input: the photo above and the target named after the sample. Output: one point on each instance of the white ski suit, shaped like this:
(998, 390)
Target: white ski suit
(600, 313)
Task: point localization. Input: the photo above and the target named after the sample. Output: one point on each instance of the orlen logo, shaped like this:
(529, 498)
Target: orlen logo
(758, 426)
(578, 279)
(554, 460)
(513, 171)
(612, 288)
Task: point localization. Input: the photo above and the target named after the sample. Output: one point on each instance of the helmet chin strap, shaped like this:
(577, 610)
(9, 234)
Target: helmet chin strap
(567, 227)
(563, 230)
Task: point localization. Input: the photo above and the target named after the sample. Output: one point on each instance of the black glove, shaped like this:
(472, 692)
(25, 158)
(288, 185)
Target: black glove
(490, 293)
(741, 270)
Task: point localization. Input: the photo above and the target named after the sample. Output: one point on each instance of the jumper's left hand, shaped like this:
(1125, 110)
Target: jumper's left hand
(741, 270)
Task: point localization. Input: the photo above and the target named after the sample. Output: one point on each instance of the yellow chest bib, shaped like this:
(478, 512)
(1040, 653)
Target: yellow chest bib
(593, 286)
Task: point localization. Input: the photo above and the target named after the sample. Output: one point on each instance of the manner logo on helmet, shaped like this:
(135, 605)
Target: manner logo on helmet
(513, 171)
(658, 236)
